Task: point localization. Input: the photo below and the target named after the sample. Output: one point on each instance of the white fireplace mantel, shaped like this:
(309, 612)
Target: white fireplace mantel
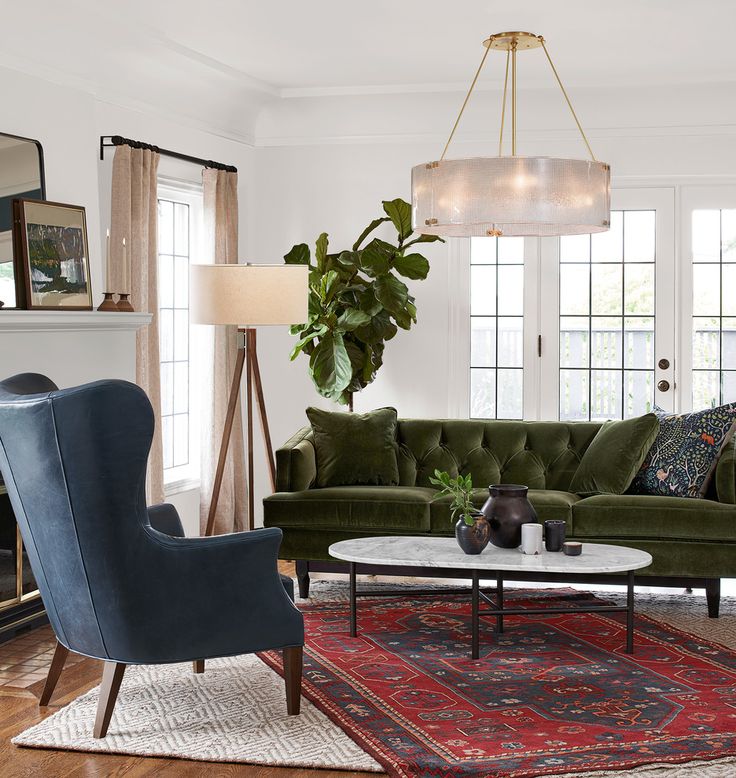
(71, 321)
(70, 347)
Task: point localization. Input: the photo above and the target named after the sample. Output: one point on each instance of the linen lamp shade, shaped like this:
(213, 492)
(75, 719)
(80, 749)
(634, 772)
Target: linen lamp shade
(248, 295)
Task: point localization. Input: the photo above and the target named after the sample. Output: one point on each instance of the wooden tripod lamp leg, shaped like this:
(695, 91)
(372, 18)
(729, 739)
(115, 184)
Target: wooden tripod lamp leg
(230, 415)
(250, 335)
(256, 374)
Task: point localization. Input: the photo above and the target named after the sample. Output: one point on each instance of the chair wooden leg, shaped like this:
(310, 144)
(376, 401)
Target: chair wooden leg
(112, 677)
(198, 665)
(57, 665)
(293, 678)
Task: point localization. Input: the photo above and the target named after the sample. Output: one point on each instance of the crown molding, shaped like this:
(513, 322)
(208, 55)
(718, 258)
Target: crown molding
(600, 133)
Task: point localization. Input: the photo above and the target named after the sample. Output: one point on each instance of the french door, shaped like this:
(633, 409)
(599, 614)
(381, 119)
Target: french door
(607, 317)
(580, 327)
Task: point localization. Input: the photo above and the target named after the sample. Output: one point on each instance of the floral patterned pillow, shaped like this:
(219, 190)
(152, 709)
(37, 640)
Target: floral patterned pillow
(684, 455)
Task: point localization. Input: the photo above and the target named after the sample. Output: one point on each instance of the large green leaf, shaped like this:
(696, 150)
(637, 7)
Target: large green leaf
(328, 285)
(413, 266)
(352, 319)
(308, 337)
(424, 239)
(378, 329)
(391, 292)
(299, 255)
(320, 253)
(376, 257)
(350, 259)
(368, 230)
(330, 364)
(368, 303)
(399, 211)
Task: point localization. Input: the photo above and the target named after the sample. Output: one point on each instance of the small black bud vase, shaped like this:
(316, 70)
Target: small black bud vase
(472, 538)
(506, 509)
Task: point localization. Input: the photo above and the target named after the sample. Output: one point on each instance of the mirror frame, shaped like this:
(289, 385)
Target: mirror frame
(42, 176)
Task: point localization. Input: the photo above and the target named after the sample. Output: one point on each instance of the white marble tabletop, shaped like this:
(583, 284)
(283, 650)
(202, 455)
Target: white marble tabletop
(425, 551)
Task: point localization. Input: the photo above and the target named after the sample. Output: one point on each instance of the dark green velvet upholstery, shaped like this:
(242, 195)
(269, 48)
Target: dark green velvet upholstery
(355, 448)
(392, 508)
(614, 457)
(725, 476)
(686, 537)
(650, 516)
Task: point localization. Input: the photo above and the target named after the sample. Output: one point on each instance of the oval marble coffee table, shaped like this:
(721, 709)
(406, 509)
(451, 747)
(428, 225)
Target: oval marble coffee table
(428, 552)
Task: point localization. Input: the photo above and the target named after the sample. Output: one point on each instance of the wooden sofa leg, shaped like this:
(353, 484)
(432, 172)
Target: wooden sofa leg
(713, 596)
(57, 665)
(112, 677)
(302, 577)
(293, 658)
(198, 665)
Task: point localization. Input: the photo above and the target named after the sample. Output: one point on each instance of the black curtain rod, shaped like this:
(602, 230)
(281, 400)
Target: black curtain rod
(118, 140)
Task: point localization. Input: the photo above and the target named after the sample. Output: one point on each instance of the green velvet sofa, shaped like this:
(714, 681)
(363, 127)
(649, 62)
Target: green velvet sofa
(692, 541)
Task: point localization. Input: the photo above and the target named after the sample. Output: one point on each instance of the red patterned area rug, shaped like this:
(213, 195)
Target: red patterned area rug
(553, 694)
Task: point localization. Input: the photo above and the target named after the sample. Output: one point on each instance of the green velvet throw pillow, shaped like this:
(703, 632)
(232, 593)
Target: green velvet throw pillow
(355, 449)
(611, 461)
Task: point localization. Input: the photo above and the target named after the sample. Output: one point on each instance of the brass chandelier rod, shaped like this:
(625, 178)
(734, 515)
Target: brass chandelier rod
(567, 99)
(511, 51)
(465, 102)
(503, 104)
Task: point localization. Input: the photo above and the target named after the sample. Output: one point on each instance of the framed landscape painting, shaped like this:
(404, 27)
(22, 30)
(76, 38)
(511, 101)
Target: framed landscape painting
(51, 256)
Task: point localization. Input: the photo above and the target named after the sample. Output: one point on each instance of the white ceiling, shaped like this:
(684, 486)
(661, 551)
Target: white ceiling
(218, 50)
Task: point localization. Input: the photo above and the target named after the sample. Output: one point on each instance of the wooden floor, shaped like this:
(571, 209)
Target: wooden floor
(22, 671)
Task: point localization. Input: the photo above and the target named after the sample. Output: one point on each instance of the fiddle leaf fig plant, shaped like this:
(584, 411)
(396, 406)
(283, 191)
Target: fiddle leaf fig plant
(357, 302)
(461, 490)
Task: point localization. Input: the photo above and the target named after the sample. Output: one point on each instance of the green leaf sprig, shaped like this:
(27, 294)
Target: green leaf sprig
(461, 490)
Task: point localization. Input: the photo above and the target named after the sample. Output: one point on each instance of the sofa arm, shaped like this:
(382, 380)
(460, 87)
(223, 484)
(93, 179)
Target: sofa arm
(296, 463)
(726, 474)
(165, 518)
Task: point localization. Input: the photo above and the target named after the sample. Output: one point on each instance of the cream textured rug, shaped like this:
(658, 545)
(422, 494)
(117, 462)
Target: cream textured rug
(235, 711)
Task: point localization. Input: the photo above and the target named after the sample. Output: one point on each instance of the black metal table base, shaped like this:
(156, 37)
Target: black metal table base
(497, 610)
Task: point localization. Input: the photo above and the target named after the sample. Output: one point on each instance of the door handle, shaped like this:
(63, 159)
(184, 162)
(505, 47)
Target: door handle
(663, 385)
(663, 364)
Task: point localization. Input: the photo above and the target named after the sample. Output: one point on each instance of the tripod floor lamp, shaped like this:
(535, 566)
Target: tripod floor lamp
(247, 296)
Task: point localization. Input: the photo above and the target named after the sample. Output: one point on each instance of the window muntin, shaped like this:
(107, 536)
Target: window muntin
(606, 319)
(714, 307)
(496, 327)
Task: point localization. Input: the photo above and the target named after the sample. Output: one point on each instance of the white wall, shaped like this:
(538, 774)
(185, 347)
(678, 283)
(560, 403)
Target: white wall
(68, 123)
(325, 164)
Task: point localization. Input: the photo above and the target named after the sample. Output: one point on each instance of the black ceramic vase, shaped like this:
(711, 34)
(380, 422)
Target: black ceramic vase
(473, 538)
(507, 509)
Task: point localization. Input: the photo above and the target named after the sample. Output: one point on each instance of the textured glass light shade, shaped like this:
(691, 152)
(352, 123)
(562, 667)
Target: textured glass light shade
(248, 294)
(483, 196)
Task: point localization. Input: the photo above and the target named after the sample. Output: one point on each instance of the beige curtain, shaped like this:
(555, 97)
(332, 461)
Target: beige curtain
(221, 235)
(134, 216)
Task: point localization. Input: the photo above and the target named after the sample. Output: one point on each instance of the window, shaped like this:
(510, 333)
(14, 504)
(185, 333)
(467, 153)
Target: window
(713, 307)
(496, 327)
(607, 301)
(179, 229)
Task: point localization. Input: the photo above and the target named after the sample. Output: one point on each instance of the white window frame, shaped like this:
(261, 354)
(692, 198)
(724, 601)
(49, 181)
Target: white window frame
(460, 320)
(694, 198)
(541, 310)
(661, 200)
(187, 477)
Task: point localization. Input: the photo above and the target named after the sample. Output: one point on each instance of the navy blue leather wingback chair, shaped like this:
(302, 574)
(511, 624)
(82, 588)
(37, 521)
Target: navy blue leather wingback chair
(120, 582)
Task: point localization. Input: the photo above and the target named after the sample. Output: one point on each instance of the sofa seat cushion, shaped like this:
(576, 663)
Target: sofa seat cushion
(548, 503)
(382, 508)
(646, 516)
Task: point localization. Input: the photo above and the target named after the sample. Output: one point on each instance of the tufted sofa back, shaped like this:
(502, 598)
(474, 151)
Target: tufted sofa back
(538, 454)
